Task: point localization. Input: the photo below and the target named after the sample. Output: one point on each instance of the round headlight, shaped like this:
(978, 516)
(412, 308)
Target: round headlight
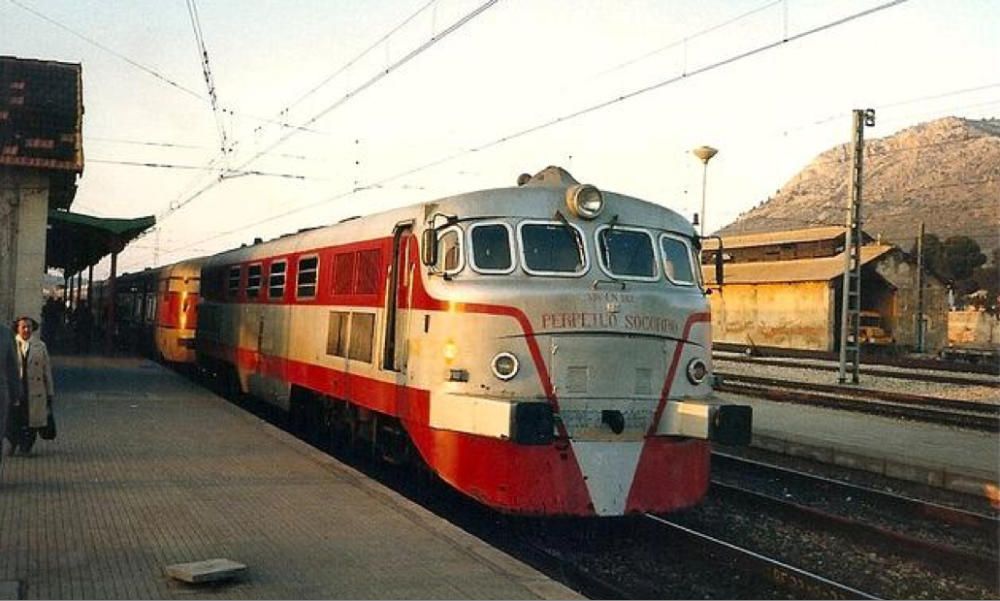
(696, 371)
(505, 366)
(585, 201)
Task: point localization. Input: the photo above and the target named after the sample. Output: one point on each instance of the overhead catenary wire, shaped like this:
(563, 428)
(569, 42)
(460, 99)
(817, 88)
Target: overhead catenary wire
(558, 120)
(289, 106)
(689, 38)
(151, 71)
(640, 91)
(112, 51)
(344, 99)
(230, 173)
(206, 68)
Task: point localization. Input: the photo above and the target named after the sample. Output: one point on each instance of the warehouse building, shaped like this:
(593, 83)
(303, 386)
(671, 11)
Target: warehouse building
(783, 289)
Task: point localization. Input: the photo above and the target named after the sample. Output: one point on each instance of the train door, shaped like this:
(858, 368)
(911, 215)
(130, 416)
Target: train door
(398, 298)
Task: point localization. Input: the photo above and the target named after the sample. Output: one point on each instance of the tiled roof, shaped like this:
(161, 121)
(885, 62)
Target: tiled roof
(41, 114)
(822, 269)
(811, 234)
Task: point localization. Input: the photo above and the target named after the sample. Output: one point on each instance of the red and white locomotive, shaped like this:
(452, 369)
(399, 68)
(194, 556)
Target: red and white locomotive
(545, 349)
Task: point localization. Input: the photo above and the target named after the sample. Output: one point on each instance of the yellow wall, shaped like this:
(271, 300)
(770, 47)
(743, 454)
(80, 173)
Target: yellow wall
(973, 329)
(791, 315)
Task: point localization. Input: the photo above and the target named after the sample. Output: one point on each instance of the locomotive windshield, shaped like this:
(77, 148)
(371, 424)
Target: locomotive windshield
(677, 260)
(627, 253)
(491, 248)
(552, 248)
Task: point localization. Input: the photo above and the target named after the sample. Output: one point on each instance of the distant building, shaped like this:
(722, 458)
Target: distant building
(41, 156)
(783, 289)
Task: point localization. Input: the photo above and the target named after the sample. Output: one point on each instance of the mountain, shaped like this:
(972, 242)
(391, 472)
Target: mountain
(945, 173)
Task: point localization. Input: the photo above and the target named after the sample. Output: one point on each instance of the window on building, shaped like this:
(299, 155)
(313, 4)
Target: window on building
(306, 283)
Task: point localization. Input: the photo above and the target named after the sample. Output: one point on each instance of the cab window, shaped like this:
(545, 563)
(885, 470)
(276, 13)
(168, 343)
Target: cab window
(552, 248)
(491, 248)
(627, 252)
(677, 260)
(450, 250)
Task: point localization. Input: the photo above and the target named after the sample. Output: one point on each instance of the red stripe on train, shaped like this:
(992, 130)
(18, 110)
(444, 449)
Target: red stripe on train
(540, 479)
(685, 465)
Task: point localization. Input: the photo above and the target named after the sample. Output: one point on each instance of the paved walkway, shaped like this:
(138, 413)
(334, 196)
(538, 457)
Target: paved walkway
(149, 470)
(943, 456)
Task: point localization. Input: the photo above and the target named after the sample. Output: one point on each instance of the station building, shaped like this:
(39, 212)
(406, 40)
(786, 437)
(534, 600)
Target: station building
(783, 289)
(41, 156)
(41, 160)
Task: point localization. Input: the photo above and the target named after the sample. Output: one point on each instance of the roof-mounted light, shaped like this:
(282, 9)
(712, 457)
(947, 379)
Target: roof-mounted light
(584, 201)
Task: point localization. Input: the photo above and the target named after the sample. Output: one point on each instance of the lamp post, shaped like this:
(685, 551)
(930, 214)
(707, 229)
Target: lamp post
(705, 153)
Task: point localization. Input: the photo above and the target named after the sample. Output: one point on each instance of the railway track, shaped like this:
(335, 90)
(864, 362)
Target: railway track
(986, 524)
(983, 566)
(698, 565)
(868, 359)
(909, 375)
(953, 412)
(799, 582)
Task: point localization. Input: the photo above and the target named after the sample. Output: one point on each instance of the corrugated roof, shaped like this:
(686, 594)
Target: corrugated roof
(811, 234)
(75, 241)
(796, 270)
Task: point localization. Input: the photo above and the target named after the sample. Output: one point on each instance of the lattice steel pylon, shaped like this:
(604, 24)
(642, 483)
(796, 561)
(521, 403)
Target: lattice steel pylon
(850, 307)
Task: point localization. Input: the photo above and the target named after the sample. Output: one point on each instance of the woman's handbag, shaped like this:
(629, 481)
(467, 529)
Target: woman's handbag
(49, 431)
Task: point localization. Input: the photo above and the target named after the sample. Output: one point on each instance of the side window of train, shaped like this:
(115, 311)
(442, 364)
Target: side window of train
(306, 282)
(336, 334)
(491, 245)
(627, 252)
(233, 283)
(552, 248)
(254, 277)
(276, 280)
(362, 332)
(450, 257)
(677, 260)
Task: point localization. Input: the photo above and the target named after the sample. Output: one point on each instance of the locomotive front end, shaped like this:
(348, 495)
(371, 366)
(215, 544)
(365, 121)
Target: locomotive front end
(570, 363)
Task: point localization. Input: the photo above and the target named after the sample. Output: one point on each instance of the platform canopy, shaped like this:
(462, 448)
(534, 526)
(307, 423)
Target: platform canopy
(76, 241)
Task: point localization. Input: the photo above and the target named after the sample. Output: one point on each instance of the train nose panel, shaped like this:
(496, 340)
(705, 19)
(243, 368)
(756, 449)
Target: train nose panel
(611, 366)
(608, 471)
(608, 385)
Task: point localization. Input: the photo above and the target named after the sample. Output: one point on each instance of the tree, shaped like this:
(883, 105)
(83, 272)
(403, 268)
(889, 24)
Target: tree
(962, 256)
(955, 259)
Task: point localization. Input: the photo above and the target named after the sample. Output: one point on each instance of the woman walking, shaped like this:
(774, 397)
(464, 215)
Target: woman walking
(32, 412)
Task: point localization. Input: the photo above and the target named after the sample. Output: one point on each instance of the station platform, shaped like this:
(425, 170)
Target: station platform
(149, 470)
(953, 458)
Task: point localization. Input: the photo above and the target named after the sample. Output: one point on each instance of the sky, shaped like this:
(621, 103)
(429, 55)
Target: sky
(337, 108)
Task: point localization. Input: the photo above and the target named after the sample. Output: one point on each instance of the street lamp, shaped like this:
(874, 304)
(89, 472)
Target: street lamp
(705, 153)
